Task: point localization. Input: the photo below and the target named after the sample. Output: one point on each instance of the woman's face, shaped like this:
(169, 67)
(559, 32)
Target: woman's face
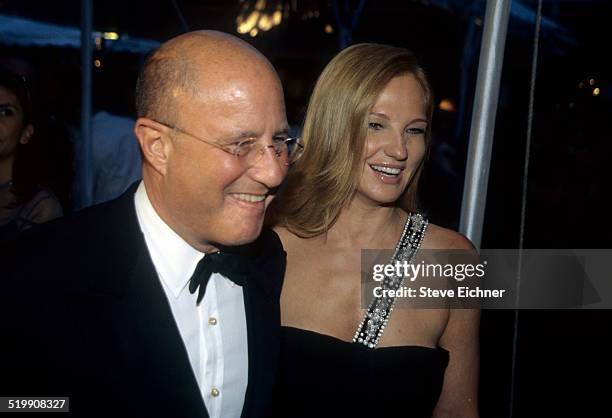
(395, 142)
(12, 130)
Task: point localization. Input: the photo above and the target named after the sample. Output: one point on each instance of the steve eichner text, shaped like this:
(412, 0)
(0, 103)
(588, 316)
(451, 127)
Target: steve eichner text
(426, 292)
(411, 270)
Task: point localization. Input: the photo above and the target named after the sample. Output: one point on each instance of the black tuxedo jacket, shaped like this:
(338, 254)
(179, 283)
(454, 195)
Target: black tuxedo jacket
(83, 314)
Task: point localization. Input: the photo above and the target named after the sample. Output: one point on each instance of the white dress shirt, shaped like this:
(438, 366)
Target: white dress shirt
(214, 332)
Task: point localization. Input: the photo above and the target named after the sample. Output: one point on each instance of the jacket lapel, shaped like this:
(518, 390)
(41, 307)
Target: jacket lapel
(151, 361)
(156, 349)
(261, 300)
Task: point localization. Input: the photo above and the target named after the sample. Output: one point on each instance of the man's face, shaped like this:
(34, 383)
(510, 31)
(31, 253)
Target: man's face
(211, 195)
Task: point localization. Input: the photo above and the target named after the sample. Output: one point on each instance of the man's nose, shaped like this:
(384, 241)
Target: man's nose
(269, 170)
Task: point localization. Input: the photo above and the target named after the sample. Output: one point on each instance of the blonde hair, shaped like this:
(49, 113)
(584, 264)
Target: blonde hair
(324, 179)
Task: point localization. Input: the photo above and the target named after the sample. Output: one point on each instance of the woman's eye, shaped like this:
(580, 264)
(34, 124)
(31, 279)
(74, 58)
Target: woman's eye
(415, 131)
(5, 111)
(375, 126)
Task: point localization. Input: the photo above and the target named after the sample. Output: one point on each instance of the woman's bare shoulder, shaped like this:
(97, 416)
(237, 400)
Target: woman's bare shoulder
(439, 238)
(282, 232)
(288, 238)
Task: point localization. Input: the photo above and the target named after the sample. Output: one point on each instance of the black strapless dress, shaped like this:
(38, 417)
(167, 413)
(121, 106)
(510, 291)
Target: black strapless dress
(323, 376)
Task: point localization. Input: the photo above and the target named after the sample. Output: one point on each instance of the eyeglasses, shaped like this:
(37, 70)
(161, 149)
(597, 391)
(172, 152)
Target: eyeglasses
(287, 149)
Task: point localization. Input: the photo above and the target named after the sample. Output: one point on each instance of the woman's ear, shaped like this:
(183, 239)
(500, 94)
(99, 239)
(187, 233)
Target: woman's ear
(26, 134)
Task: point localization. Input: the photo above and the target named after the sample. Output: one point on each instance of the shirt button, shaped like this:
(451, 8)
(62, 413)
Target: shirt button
(215, 392)
(212, 320)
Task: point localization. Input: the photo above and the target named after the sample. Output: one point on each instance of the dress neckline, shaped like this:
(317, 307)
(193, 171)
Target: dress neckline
(350, 343)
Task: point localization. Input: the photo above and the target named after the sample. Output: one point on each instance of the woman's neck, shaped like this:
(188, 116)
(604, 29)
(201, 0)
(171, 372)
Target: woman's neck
(367, 226)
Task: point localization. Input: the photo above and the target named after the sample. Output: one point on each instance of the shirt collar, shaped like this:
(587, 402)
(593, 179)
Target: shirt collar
(174, 259)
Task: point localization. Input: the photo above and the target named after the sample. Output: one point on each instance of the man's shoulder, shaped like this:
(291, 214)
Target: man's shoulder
(269, 242)
(68, 244)
(70, 229)
(270, 261)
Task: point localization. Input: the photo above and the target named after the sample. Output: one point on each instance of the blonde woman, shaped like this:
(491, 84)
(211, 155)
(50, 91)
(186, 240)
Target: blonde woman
(366, 134)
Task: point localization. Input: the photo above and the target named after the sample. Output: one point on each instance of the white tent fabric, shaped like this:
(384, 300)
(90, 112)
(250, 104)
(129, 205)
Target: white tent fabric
(15, 30)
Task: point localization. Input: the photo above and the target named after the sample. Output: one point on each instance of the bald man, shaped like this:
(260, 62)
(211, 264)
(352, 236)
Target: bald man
(164, 302)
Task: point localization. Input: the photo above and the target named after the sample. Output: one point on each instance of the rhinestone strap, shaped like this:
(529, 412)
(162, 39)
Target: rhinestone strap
(376, 319)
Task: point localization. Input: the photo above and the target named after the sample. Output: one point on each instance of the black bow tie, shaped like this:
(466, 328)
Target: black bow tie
(233, 266)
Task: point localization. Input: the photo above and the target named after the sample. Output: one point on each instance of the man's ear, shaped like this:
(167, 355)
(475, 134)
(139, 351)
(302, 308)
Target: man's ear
(26, 135)
(154, 143)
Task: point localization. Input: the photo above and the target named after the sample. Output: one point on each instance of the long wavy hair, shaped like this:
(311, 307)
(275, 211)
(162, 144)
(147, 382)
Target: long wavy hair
(324, 179)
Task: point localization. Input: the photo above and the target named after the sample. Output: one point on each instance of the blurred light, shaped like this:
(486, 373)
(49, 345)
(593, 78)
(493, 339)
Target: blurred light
(97, 63)
(592, 81)
(98, 42)
(252, 20)
(581, 85)
(447, 105)
(329, 29)
(571, 105)
(249, 24)
(111, 36)
(596, 91)
(265, 23)
(478, 21)
(277, 17)
(260, 16)
(316, 13)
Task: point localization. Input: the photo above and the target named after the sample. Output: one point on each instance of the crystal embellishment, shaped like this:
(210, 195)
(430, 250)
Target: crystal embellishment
(375, 320)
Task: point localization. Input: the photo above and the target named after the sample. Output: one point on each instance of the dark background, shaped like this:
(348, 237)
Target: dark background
(562, 361)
